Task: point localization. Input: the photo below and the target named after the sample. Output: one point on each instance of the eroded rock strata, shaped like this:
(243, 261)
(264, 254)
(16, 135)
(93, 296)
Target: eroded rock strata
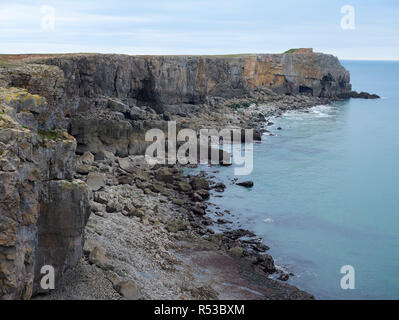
(43, 208)
(71, 138)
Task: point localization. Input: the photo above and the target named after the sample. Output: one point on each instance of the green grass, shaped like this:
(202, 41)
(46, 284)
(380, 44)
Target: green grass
(291, 51)
(51, 135)
(4, 63)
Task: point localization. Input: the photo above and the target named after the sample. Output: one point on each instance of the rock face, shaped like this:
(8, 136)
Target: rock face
(42, 209)
(171, 80)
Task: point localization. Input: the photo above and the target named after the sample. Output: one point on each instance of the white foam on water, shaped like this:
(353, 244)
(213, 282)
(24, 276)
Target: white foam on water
(268, 220)
(320, 111)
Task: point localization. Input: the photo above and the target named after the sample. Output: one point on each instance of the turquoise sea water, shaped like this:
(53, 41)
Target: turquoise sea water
(326, 190)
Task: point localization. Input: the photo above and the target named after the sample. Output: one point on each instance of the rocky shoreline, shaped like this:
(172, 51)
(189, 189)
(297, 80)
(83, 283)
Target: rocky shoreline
(188, 259)
(76, 192)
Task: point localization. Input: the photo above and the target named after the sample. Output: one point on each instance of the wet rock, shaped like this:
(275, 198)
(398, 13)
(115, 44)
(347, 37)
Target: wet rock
(239, 233)
(257, 135)
(223, 221)
(359, 95)
(259, 247)
(196, 197)
(219, 185)
(206, 221)
(247, 184)
(199, 183)
(203, 193)
(283, 277)
(198, 210)
(266, 262)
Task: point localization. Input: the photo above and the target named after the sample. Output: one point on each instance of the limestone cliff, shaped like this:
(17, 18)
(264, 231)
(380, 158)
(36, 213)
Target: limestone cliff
(42, 209)
(167, 80)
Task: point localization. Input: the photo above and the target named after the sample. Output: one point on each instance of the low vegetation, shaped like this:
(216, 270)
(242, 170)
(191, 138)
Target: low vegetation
(291, 50)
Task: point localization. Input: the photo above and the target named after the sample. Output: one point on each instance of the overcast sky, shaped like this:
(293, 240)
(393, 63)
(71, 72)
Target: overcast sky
(200, 27)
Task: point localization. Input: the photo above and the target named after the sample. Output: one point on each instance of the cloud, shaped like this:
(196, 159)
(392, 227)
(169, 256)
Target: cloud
(198, 27)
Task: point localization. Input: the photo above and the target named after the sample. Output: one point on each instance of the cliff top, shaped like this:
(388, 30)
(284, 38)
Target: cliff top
(15, 59)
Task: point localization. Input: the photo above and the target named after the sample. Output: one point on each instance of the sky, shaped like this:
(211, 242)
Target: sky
(200, 27)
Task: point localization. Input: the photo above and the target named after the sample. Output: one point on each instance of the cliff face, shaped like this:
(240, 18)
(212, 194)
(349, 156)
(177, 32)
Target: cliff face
(168, 80)
(42, 209)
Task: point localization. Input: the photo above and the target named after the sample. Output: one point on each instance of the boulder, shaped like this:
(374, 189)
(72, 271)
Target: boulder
(96, 181)
(89, 246)
(184, 186)
(247, 184)
(198, 183)
(266, 262)
(104, 155)
(87, 158)
(128, 290)
(126, 164)
(98, 257)
(165, 175)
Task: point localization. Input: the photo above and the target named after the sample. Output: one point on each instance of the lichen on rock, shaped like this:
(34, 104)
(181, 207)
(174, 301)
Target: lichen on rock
(42, 214)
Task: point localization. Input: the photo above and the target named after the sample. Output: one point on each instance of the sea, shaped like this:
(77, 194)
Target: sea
(326, 190)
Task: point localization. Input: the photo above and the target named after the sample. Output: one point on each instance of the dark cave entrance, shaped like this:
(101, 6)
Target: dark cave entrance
(306, 90)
